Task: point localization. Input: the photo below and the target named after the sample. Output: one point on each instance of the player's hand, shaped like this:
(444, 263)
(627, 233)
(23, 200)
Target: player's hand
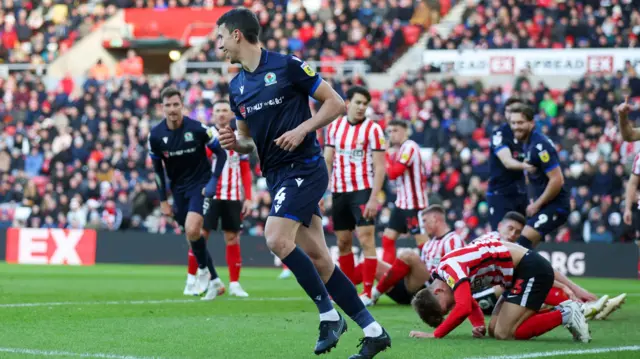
(532, 209)
(247, 207)
(321, 205)
(571, 294)
(529, 168)
(627, 217)
(584, 295)
(370, 209)
(417, 334)
(165, 208)
(479, 332)
(290, 140)
(624, 108)
(227, 138)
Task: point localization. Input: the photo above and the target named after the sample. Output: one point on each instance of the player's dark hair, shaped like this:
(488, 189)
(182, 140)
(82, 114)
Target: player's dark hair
(399, 123)
(428, 308)
(435, 208)
(169, 92)
(516, 217)
(511, 100)
(523, 109)
(244, 20)
(358, 90)
(220, 102)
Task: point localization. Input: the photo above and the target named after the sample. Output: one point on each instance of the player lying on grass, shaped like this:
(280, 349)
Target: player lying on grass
(527, 275)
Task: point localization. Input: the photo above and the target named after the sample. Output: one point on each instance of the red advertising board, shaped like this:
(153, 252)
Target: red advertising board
(51, 246)
(173, 23)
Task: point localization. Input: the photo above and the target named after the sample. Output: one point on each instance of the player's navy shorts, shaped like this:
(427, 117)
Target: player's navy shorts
(348, 208)
(227, 212)
(406, 221)
(549, 218)
(401, 295)
(501, 204)
(297, 189)
(190, 201)
(532, 280)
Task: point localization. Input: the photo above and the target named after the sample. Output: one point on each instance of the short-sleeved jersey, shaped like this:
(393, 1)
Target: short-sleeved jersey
(483, 262)
(412, 184)
(272, 100)
(354, 145)
(541, 153)
(183, 153)
(502, 180)
(230, 180)
(436, 248)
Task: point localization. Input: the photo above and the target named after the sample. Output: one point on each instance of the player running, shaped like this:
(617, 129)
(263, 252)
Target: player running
(507, 191)
(526, 274)
(354, 154)
(232, 199)
(406, 168)
(270, 98)
(178, 144)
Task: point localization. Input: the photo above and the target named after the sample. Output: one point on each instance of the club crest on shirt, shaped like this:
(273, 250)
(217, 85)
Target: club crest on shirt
(451, 282)
(270, 79)
(188, 137)
(243, 111)
(544, 156)
(497, 139)
(381, 141)
(307, 69)
(404, 158)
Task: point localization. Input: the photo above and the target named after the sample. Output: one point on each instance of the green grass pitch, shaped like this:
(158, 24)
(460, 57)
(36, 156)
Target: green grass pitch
(116, 311)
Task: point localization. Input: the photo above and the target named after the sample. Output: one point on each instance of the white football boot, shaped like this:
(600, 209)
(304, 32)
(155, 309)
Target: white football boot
(214, 289)
(236, 290)
(590, 309)
(611, 306)
(577, 323)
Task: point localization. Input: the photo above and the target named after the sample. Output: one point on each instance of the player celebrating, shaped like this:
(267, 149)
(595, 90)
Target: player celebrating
(526, 274)
(178, 144)
(354, 154)
(629, 133)
(409, 272)
(270, 98)
(506, 190)
(407, 169)
(228, 205)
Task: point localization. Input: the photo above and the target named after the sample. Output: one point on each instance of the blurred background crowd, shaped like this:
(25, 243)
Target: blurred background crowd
(81, 161)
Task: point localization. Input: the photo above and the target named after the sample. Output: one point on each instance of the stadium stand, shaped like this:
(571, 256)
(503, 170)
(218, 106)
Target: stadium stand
(504, 24)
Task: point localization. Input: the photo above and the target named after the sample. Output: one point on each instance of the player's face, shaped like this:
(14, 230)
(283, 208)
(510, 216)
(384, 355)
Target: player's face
(357, 107)
(520, 126)
(397, 135)
(172, 108)
(430, 223)
(227, 42)
(510, 230)
(221, 114)
(444, 294)
(507, 111)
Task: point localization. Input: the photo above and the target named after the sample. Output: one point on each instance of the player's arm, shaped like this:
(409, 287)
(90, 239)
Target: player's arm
(244, 142)
(378, 146)
(158, 168)
(221, 159)
(580, 292)
(630, 195)
(504, 154)
(396, 167)
(556, 181)
(461, 310)
(329, 157)
(547, 160)
(247, 180)
(629, 133)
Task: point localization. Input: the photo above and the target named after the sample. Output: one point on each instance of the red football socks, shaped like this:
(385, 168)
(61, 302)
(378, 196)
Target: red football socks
(538, 324)
(388, 249)
(234, 262)
(357, 274)
(347, 264)
(192, 266)
(396, 273)
(369, 274)
(556, 296)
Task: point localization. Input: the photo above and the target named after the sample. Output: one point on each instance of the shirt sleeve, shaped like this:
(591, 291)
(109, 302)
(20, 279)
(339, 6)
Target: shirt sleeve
(405, 155)
(330, 137)
(302, 76)
(546, 155)
(636, 165)
(452, 273)
(498, 141)
(235, 109)
(376, 138)
(153, 152)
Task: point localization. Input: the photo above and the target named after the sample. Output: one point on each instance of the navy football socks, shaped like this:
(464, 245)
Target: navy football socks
(344, 293)
(199, 249)
(305, 272)
(525, 242)
(210, 265)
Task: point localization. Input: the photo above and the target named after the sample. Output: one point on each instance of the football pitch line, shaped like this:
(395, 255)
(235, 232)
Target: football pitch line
(50, 353)
(145, 302)
(563, 352)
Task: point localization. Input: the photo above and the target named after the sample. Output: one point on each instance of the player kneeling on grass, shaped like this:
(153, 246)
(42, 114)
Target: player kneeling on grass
(528, 278)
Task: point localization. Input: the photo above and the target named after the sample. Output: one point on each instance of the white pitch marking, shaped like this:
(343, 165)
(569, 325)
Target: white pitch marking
(138, 302)
(563, 352)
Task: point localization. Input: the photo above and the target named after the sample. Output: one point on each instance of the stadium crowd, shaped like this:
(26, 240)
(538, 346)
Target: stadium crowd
(82, 163)
(505, 24)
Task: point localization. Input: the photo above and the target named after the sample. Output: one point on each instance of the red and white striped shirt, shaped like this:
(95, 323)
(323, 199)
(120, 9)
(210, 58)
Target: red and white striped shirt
(354, 146)
(230, 186)
(436, 248)
(412, 183)
(483, 262)
(636, 171)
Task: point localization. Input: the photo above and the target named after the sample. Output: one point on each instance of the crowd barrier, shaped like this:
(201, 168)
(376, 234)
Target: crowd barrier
(87, 247)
